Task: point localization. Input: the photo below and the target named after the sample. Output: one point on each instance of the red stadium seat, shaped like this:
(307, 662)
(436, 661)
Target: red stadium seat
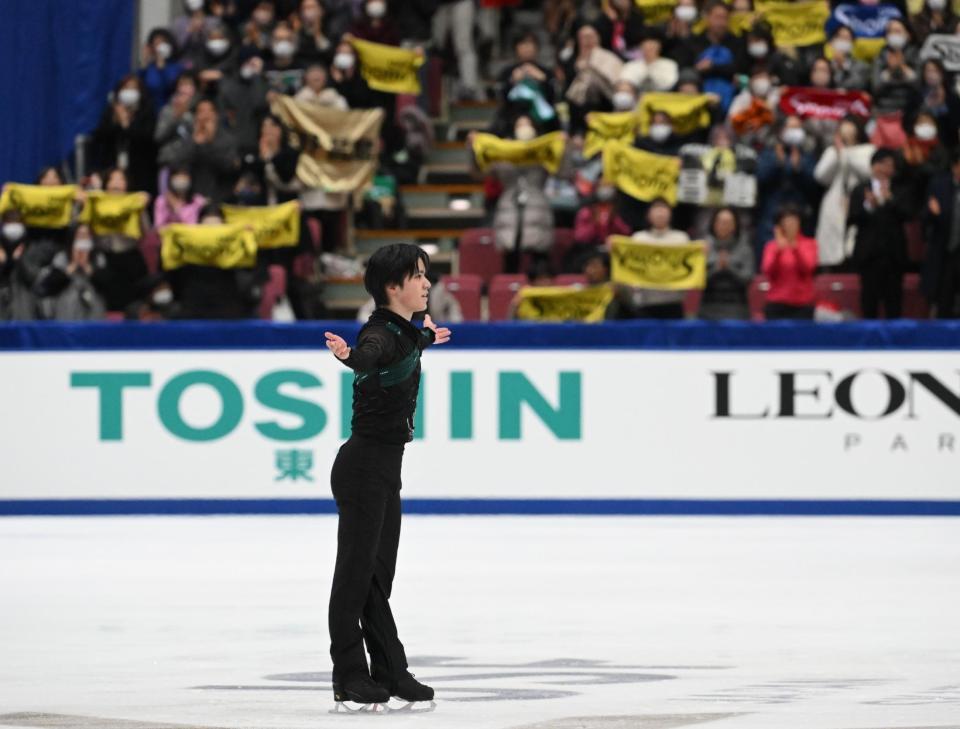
(479, 254)
(502, 290)
(570, 279)
(466, 289)
(273, 290)
(563, 241)
(915, 304)
(757, 297)
(150, 248)
(840, 289)
(691, 303)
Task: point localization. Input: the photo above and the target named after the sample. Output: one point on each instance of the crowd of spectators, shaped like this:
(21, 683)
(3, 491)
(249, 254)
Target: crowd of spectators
(875, 192)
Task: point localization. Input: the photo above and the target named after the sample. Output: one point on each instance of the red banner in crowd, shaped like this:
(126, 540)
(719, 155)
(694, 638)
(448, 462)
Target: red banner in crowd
(811, 103)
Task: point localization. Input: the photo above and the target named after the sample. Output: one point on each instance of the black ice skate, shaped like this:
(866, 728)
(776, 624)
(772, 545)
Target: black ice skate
(407, 688)
(361, 690)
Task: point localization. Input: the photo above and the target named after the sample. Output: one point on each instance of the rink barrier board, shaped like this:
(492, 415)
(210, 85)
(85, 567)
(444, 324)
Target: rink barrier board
(485, 507)
(640, 335)
(649, 335)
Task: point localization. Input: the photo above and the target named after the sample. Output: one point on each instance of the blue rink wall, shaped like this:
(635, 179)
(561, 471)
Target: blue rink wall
(634, 418)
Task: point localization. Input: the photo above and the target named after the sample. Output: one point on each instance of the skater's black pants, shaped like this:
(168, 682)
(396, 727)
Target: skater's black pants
(366, 486)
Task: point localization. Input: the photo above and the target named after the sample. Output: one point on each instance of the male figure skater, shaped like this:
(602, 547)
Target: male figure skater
(366, 478)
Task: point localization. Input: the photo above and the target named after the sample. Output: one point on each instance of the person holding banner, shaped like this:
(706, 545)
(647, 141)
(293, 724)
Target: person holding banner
(366, 479)
(643, 303)
(216, 289)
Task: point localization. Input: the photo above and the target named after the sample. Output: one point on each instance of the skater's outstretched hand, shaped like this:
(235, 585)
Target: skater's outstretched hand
(337, 345)
(441, 334)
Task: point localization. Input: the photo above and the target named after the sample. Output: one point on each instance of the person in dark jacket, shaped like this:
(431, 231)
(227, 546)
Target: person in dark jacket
(124, 136)
(210, 153)
(366, 478)
(941, 270)
(880, 250)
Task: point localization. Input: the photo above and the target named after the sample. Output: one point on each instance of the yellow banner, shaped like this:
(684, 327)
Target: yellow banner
(337, 148)
(640, 174)
(388, 68)
(276, 226)
(109, 213)
(602, 127)
(655, 12)
(564, 303)
(217, 246)
(687, 112)
(795, 24)
(740, 23)
(546, 150)
(658, 267)
(42, 206)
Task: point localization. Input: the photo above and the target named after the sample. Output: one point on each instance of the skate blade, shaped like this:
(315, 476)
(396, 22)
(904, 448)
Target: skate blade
(351, 707)
(411, 707)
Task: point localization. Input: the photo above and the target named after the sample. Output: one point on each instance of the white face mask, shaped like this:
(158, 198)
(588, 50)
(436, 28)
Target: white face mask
(218, 46)
(284, 49)
(180, 184)
(794, 136)
(162, 297)
(194, 5)
(83, 244)
(660, 132)
(525, 133)
(129, 97)
(566, 54)
(896, 40)
(624, 101)
(760, 86)
(376, 9)
(926, 132)
(936, 4)
(14, 231)
(686, 13)
(164, 50)
(606, 194)
(758, 50)
(248, 72)
(842, 46)
(344, 61)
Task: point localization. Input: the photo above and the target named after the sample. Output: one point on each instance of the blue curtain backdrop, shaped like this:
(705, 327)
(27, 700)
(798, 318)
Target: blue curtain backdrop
(60, 59)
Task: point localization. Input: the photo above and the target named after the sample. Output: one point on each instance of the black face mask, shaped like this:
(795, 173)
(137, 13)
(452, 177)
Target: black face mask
(248, 197)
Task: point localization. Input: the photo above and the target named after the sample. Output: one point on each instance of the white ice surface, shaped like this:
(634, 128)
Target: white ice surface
(780, 622)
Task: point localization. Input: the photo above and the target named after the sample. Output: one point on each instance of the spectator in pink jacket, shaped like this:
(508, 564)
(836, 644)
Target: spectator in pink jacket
(179, 204)
(789, 262)
(598, 220)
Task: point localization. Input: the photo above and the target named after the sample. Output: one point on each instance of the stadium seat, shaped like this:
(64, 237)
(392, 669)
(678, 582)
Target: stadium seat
(840, 289)
(272, 291)
(479, 254)
(915, 304)
(466, 289)
(570, 279)
(563, 241)
(150, 245)
(502, 290)
(691, 303)
(757, 297)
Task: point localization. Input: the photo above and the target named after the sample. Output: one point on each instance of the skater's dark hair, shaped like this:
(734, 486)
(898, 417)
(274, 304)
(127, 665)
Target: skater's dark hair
(390, 266)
